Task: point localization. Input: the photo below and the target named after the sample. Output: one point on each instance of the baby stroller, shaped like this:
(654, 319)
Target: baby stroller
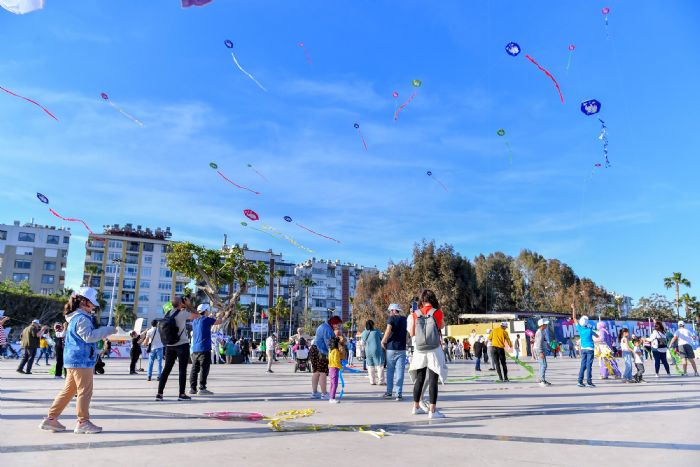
(302, 360)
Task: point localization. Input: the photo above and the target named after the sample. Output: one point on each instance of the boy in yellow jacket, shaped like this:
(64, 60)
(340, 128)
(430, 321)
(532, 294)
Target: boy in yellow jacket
(499, 338)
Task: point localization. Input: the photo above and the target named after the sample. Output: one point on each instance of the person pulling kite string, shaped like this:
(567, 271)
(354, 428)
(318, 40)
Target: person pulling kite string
(229, 44)
(130, 117)
(30, 101)
(214, 166)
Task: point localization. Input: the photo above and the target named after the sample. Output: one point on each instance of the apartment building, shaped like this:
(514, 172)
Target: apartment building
(128, 265)
(34, 253)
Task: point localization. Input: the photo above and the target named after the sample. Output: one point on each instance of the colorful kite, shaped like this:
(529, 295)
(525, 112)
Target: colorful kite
(605, 12)
(502, 132)
(416, 84)
(189, 3)
(250, 214)
(590, 107)
(430, 174)
(301, 44)
(604, 138)
(250, 166)
(229, 44)
(20, 7)
(42, 198)
(216, 167)
(357, 126)
(31, 101)
(572, 47)
(513, 49)
(133, 119)
(287, 218)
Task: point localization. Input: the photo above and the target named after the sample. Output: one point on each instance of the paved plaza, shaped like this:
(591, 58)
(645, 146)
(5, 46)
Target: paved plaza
(489, 423)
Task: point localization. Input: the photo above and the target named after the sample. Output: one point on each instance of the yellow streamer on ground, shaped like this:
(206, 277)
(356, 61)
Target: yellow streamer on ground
(276, 421)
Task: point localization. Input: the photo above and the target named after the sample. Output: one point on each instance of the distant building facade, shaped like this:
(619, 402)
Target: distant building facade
(34, 253)
(129, 264)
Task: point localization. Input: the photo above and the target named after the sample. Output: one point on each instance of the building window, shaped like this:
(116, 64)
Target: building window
(112, 256)
(95, 282)
(128, 297)
(145, 284)
(19, 277)
(132, 246)
(146, 271)
(129, 284)
(148, 246)
(97, 256)
(46, 291)
(162, 260)
(23, 264)
(143, 298)
(66, 239)
(25, 237)
(165, 286)
(107, 294)
(110, 268)
(52, 239)
(64, 253)
(165, 248)
(167, 273)
(179, 288)
(148, 259)
(130, 270)
(3, 234)
(142, 310)
(132, 259)
(109, 281)
(49, 265)
(27, 250)
(117, 244)
(48, 279)
(165, 297)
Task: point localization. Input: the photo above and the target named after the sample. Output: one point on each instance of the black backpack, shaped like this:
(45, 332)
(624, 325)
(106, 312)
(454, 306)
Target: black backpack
(167, 327)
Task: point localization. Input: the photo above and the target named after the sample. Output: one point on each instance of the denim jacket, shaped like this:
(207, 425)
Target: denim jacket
(80, 350)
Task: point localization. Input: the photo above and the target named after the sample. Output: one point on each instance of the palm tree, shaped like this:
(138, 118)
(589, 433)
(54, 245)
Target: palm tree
(90, 270)
(123, 315)
(676, 279)
(689, 303)
(279, 274)
(280, 310)
(306, 283)
(619, 300)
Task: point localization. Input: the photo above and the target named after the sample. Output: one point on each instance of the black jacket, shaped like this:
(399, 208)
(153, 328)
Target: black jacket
(478, 349)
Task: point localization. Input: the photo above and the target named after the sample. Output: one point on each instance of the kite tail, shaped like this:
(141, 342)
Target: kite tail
(363, 138)
(548, 74)
(130, 117)
(31, 101)
(316, 233)
(71, 219)
(398, 111)
(236, 184)
(248, 74)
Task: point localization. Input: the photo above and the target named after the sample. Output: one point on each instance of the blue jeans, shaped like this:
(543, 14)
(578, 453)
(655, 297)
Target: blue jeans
(627, 374)
(543, 365)
(157, 353)
(395, 361)
(586, 365)
(477, 366)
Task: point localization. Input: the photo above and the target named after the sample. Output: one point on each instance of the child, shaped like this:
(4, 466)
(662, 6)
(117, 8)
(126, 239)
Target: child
(638, 363)
(623, 337)
(334, 367)
(80, 353)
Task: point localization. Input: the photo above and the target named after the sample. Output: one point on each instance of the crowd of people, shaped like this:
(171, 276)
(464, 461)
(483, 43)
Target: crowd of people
(412, 339)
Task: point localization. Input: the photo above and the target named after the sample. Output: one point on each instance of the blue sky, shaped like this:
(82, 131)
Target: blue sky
(626, 227)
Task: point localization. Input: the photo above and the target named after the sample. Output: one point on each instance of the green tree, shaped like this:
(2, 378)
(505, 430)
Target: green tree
(690, 304)
(654, 306)
(216, 273)
(90, 270)
(279, 311)
(676, 280)
(19, 288)
(306, 284)
(123, 315)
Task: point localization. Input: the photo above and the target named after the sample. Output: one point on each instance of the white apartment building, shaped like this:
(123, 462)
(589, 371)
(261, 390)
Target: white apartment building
(130, 265)
(34, 253)
(335, 284)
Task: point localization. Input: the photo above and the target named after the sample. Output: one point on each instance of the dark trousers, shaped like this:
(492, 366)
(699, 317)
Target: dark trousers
(134, 358)
(432, 385)
(486, 354)
(262, 356)
(499, 357)
(640, 371)
(469, 354)
(28, 354)
(181, 353)
(660, 357)
(200, 360)
(59, 361)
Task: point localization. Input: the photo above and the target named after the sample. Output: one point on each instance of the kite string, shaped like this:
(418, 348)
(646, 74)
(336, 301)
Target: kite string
(130, 117)
(316, 233)
(29, 100)
(548, 74)
(248, 74)
(362, 138)
(439, 182)
(236, 184)
(398, 111)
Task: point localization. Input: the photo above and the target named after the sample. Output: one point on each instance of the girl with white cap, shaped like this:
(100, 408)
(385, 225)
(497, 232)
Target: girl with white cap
(586, 333)
(79, 355)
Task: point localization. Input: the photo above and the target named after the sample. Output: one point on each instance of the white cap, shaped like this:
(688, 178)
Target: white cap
(394, 306)
(543, 322)
(504, 324)
(583, 321)
(36, 321)
(204, 307)
(488, 331)
(681, 323)
(90, 294)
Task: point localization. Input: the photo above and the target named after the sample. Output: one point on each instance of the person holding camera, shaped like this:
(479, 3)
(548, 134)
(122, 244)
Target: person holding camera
(180, 349)
(30, 342)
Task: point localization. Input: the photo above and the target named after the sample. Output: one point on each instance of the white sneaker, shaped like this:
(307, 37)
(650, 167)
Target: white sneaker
(324, 396)
(87, 428)
(657, 375)
(418, 411)
(424, 405)
(315, 395)
(334, 401)
(543, 384)
(436, 414)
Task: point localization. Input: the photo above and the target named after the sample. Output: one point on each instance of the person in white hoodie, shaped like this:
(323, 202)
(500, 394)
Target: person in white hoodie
(79, 356)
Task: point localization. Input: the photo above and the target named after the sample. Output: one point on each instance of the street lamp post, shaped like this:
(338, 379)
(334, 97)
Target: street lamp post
(116, 262)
